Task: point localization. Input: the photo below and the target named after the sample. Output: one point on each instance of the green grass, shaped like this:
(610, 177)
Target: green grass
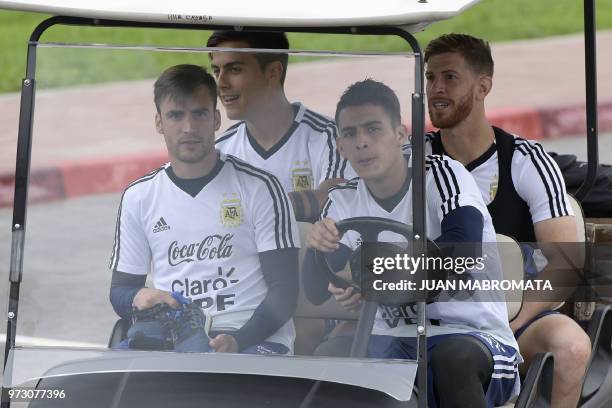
(495, 20)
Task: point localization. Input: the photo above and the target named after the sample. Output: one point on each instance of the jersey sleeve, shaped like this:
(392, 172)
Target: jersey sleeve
(450, 186)
(131, 252)
(330, 163)
(538, 181)
(273, 218)
(334, 209)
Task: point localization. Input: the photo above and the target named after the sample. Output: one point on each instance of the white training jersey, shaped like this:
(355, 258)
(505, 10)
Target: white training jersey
(448, 186)
(535, 175)
(304, 157)
(207, 246)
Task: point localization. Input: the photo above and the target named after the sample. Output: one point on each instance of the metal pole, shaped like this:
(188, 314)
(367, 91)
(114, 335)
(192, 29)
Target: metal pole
(590, 68)
(22, 173)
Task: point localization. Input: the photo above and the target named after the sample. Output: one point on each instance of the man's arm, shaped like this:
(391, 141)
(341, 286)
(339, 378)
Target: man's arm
(128, 291)
(539, 182)
(552, 230)
(124, 287)
(280, 272)
(329, 169)
(307, 204)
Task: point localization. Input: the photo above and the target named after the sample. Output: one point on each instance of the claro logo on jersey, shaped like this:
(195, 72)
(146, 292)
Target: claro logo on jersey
(231, 212)
(212, 247)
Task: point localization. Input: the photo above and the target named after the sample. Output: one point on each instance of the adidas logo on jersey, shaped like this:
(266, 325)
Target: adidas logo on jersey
(161, 226)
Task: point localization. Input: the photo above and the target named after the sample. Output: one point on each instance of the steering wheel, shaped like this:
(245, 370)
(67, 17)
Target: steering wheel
(369, 228)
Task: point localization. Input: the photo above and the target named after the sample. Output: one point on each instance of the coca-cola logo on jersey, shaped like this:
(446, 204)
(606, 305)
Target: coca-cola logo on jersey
(211, 247)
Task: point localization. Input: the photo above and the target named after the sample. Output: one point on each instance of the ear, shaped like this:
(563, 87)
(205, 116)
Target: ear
(274, 71)
(217, 119)
(485, 84)
(158, 123)
(402, 134)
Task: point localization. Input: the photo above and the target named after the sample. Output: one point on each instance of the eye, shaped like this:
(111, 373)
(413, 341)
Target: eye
(373, 129)
(201, 114)
(236, 70)
(349, 133)
(175, 115)
(451, 77)
(215, 71)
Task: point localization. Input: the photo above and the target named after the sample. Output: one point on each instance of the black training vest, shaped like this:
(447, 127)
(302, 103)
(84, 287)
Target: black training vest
(510, 213)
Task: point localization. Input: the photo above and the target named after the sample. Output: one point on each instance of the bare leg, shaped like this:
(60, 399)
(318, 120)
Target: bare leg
(571, 349)
(308, 334)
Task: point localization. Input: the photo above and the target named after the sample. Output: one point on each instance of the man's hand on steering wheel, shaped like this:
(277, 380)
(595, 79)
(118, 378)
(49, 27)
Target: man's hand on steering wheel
(324, 236)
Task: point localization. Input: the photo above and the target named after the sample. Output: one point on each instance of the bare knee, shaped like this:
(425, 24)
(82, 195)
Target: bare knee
(574, 353)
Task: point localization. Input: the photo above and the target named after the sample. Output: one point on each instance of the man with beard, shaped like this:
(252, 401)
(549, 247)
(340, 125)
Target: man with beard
(209, 227)
(521, 185)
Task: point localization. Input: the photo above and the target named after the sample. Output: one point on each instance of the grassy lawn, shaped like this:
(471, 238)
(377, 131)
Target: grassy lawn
(496, 20)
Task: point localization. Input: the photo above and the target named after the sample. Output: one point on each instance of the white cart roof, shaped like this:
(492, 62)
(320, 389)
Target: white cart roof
(411, 14)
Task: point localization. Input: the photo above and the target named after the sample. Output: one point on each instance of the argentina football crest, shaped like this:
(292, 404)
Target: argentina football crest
(301, 177)
(231, 211)
(493, 187)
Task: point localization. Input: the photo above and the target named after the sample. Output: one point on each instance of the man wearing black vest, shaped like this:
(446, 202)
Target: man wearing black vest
(521, 185)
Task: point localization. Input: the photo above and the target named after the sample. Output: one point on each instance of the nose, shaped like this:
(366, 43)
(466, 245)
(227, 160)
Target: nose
(435, 85)
(222, 81)
(188, 124)
(362, 140)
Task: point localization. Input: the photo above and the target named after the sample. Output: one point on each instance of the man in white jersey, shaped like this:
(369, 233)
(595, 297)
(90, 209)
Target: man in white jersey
(473, 355)
(209, 227)
(292, 142)
(522, 187)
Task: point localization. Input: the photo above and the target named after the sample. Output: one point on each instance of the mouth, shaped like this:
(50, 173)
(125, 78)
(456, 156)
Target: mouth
(438, 105)
(228, 99)
(366, 161)
(190, 142)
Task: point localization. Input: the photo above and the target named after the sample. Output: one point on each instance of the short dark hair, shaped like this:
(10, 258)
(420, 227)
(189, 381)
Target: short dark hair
(183, 80)
(372, 92)
(274, 40)
(475, 51)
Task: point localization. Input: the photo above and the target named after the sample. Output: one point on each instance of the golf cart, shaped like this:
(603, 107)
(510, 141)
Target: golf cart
(102, 376)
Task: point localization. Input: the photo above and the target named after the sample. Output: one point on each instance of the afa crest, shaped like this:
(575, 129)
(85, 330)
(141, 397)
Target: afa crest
(493, 187)
(231, 212)
(302, 179)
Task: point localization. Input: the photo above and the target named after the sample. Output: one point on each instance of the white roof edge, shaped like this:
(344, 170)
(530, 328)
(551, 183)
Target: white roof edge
(408, 14)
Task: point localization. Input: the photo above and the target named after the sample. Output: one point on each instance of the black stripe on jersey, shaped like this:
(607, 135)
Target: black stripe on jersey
(454, 180)
(334, 159)
(537, 158)
(278, 215)
(338, 167)
(318, 117)
(333, 153)
(229, 132)
(114, 261)
(282, 221)
(442, 171)
(432, 167)
(349, 185)
(557, 178)
(343, 167)
(314, 126)
(325, 209)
